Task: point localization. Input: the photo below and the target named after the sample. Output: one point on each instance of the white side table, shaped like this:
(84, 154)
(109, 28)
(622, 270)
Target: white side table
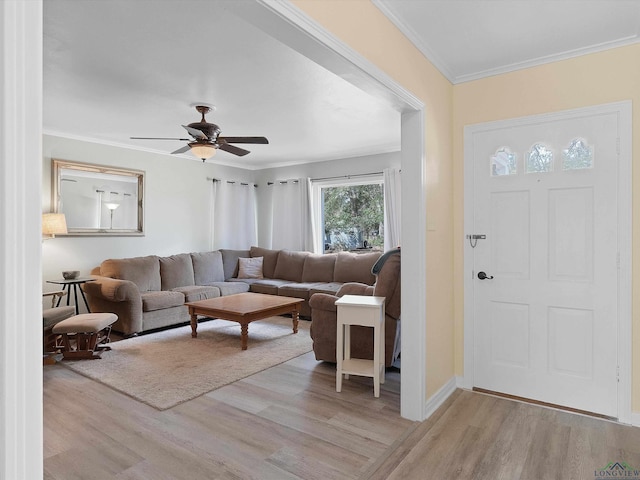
(367, 312)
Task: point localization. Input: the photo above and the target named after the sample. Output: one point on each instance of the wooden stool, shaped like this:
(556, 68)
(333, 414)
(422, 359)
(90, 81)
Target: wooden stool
(87, 332)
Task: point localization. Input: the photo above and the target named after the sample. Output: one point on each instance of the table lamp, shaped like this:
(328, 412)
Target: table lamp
(53, 224)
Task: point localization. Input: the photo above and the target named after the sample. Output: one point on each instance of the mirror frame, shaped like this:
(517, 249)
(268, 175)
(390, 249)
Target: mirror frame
(56, 169)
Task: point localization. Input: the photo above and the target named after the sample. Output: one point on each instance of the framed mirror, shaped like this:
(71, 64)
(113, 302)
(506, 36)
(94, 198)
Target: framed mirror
(98, 200)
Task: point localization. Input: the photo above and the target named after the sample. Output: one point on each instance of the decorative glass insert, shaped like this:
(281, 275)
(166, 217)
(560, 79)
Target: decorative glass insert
(503, 162)
(539, 159)
(578, 155)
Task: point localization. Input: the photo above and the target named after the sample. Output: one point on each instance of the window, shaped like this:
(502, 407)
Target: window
(539, 159)
(503, 163)
(578, 155)
(350, 214)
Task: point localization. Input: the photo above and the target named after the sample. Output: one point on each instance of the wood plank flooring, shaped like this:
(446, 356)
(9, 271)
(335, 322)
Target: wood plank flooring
(288, 422)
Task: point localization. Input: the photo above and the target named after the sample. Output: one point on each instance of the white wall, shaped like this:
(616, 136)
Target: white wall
(177, 206)
(177, 201)
(348, 166)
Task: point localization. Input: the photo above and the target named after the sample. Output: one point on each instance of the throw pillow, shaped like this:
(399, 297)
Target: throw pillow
(250, 267)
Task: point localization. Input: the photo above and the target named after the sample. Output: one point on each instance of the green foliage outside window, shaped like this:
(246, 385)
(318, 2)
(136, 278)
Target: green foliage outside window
(353, 217)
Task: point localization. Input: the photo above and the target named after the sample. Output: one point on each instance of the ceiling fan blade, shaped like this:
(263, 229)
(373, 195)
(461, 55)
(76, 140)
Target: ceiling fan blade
(195, 133)
(160, 138)
(241, 152)
(186, 148)
(256, 140)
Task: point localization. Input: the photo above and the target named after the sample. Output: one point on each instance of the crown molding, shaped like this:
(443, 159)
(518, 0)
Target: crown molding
(378, 81)
(556, 57)
(444, 68)
(383, 149)
(414, 38)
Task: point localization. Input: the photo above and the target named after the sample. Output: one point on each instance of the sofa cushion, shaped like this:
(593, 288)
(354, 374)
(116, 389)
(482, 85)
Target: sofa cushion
(355, 267)
(250, 267)
(290, 265)
(248, 281)
(330, 288)
(230, 261)
(319, 268)
(159, 300)
(207, 267)
(143, 271)
(51, 316)
(198, 292)
(231, 288)
(268, 285)
(270, 259)
(176, 271)
(296, 290)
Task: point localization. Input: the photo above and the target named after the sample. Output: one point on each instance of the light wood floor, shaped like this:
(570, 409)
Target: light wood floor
(289, 423)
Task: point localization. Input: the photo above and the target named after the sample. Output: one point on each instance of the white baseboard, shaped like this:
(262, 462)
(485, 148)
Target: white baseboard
(434, 402)
(440, 396)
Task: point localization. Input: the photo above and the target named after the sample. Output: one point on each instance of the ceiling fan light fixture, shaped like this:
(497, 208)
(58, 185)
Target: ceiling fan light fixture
(206, 139)
(203, 150)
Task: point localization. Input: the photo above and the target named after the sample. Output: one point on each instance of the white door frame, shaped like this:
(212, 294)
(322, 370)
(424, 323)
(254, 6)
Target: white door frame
(623, 110)
(301, 33)
(21, 450)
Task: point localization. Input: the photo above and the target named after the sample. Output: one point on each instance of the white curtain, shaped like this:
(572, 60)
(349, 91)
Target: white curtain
(292, 224)
(234, 222)
(392, 188)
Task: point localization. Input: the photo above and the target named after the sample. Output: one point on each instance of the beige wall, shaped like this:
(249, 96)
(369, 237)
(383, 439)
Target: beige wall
(594, 79)
(364, 28)
(605, 77)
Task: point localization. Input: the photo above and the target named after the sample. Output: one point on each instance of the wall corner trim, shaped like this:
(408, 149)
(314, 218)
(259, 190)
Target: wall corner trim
(438, 398)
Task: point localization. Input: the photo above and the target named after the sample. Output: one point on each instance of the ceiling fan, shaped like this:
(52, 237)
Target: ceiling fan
(206, 140)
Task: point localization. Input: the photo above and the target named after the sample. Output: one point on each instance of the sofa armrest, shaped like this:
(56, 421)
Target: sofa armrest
(112, 289)
(323, 301)
(354, 288)
(121, 297)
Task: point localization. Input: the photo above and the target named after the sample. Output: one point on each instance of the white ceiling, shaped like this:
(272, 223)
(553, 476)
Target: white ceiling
(471, 39)
(116, 69)
(120, 68)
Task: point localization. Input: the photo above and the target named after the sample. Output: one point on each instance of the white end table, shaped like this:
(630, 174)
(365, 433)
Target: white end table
(365, 311)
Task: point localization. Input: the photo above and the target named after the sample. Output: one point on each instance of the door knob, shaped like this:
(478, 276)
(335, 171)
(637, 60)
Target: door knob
(484, 276)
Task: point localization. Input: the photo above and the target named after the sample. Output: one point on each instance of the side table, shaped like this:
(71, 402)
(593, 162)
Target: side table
(365, 311)
(67, 284)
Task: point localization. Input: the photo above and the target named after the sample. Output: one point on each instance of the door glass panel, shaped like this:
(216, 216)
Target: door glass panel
(503, 162)
(539, 159)
(579, 155)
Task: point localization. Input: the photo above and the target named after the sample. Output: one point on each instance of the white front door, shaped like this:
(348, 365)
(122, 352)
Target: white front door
(546, 316)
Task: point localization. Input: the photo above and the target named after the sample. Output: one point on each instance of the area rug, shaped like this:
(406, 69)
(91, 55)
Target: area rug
(164, 369)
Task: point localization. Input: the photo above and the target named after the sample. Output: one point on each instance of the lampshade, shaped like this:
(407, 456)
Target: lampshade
(112, 206)
(203, 150)
(53, 224)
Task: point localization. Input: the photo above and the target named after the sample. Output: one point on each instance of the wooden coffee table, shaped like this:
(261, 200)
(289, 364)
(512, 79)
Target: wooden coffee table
(244, 308)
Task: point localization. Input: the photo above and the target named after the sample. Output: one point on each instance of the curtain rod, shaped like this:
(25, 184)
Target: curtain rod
(283, 182)
(232, 182)
(355, 175)
(347, 176)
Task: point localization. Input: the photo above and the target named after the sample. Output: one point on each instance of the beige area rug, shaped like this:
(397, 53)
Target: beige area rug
(167, 368)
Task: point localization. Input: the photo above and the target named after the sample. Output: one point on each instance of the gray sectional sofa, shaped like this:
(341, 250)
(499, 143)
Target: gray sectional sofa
(150, 292)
